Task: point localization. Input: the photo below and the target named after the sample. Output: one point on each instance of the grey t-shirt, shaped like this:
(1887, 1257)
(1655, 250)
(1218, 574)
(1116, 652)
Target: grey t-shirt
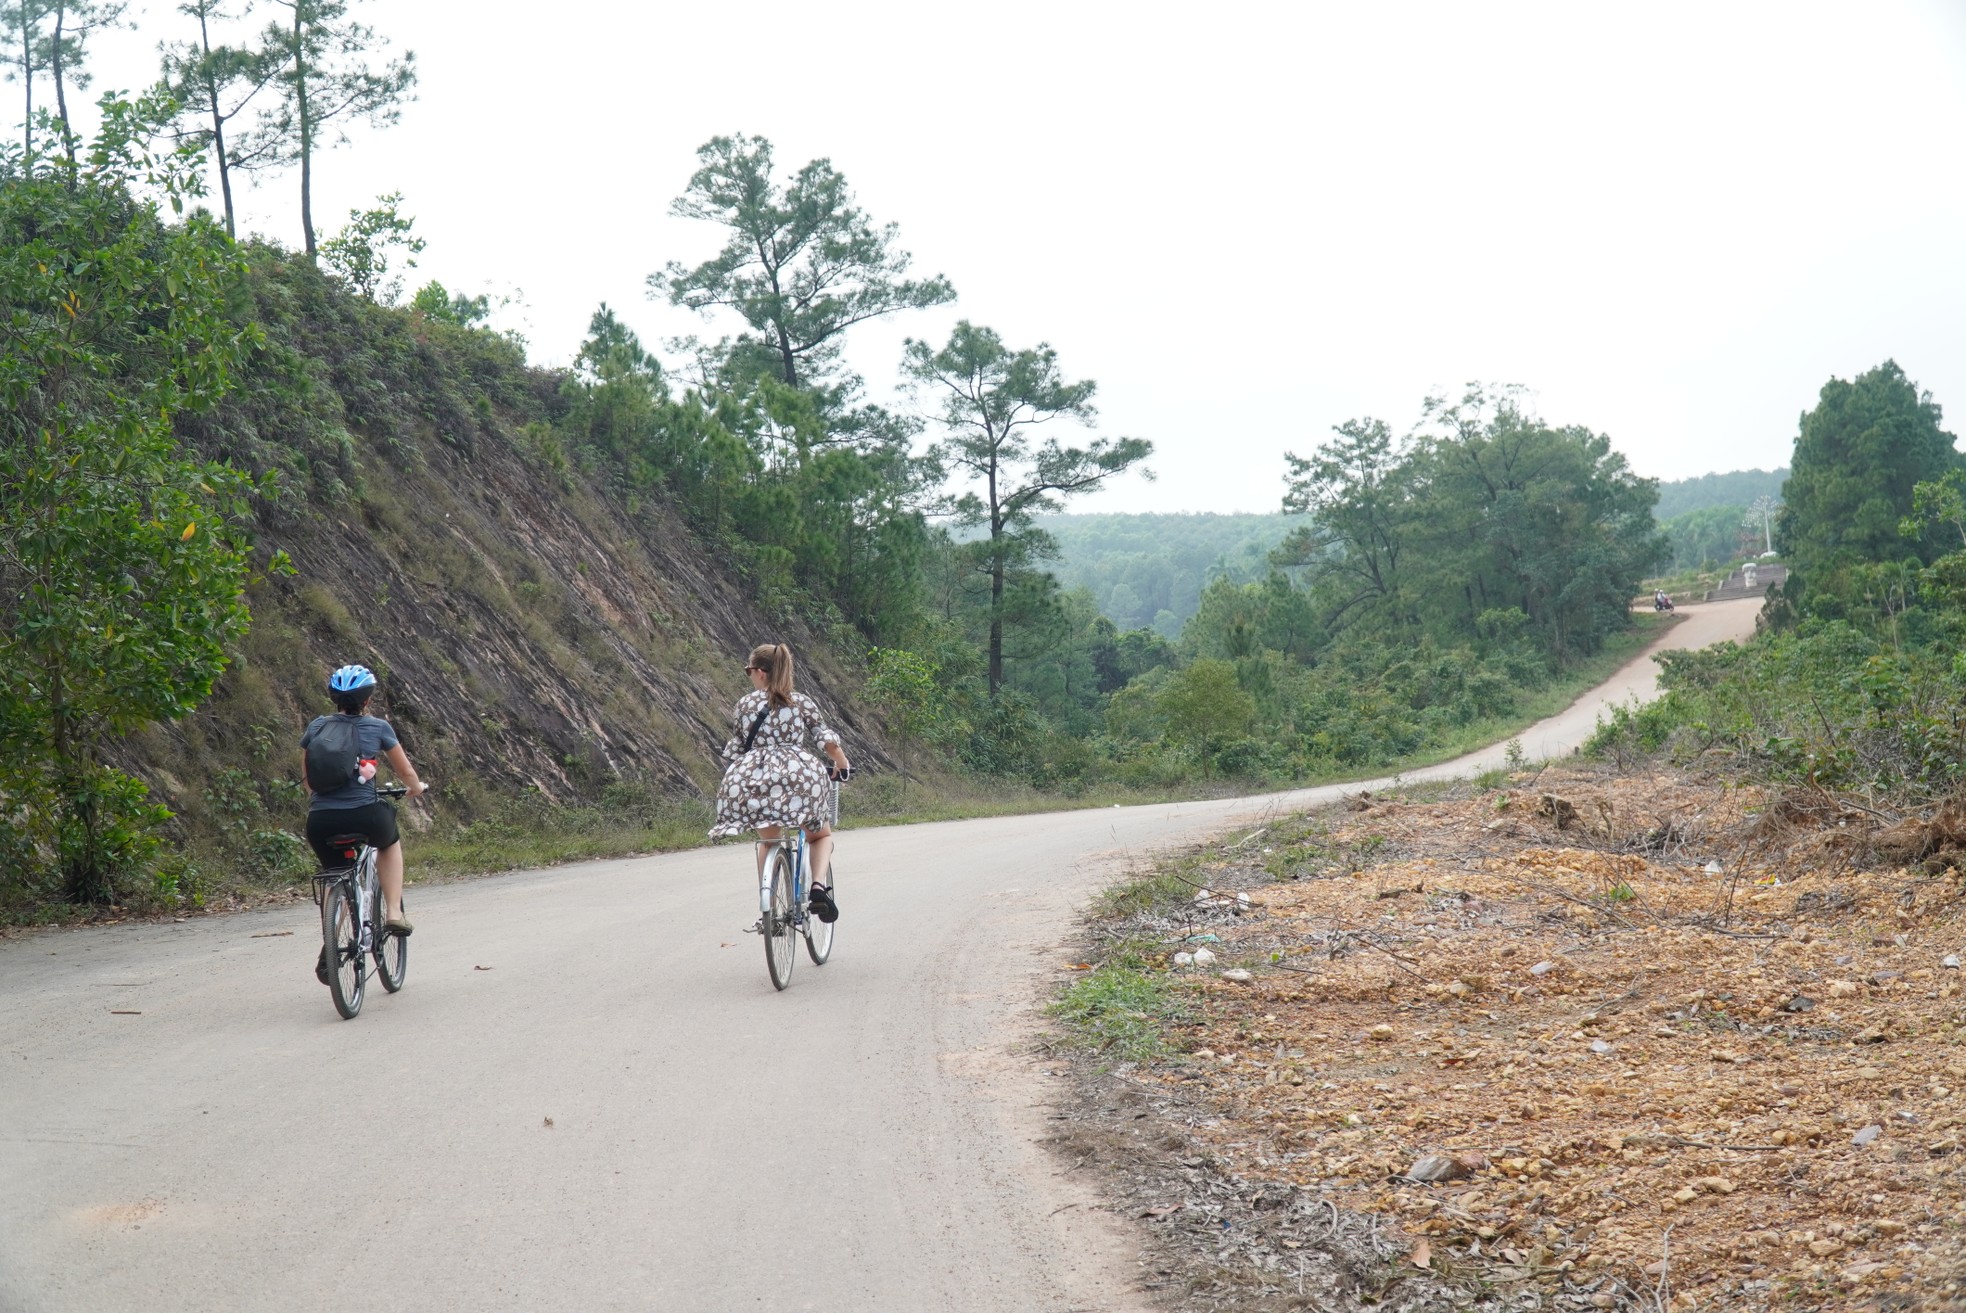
(373, 737)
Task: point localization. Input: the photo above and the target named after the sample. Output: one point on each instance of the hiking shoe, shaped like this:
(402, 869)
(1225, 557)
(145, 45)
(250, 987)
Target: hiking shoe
(822, 904)
(398, 925)
(321, 968)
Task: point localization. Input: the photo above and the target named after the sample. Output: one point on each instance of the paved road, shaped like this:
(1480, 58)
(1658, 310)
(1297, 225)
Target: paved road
(589, 1097)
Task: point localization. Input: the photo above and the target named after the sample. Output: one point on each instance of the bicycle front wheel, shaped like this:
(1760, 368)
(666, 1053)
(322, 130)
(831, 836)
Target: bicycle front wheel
(392, 952)
(819, 934)
(781, 926)
(341, 931)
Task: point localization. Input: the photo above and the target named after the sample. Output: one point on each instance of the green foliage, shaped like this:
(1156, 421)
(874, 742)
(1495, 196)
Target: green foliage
(905, 685)
(1710, 536)
(1205, 707)
(436, 302)
(321, 71)
(1485, 508)
(1121, 1008)
(1148, 571)
(801, 264)
(1859, 689)
(122, 563)
(991, 396)
(1738, 488)
(1858, 458)
(361, 254)
(213, 83)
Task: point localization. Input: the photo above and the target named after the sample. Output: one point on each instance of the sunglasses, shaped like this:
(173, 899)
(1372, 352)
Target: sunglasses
(760, 669)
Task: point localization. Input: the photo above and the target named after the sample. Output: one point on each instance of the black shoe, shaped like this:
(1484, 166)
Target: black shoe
(822, 904)
(321, 968)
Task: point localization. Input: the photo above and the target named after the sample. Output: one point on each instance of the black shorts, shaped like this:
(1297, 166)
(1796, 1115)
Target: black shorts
(377, 821)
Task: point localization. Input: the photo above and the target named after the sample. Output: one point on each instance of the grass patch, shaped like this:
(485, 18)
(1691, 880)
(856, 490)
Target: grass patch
(1121, 1009)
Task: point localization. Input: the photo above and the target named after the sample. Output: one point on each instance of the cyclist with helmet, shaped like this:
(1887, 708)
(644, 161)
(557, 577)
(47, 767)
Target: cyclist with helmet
(351, 806)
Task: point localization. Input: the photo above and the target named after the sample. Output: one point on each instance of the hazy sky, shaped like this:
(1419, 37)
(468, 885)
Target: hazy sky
(1248, 222)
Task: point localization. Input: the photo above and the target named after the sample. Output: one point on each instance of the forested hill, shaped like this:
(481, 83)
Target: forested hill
(1736, 488)
(1148, 571)
(533, 627)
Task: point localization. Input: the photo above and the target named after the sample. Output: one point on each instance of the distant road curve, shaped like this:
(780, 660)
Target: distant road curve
(589, 1097)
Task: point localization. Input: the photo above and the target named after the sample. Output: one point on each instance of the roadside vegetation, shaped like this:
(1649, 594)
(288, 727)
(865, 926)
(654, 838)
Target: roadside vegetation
(304, 463)
(1677, 1028)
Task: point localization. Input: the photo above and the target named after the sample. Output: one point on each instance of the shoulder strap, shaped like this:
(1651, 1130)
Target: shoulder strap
(756, 725)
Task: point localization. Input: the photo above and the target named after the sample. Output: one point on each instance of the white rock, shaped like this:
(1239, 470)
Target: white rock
(1203, 895)
(1602, 1047)
(1950, 961)
(1714, 867)
(1204, 958)
(1184, 959)
(1436, 1167)
(1867, 1135)
(1542, 968)
(1238, 975)
(1242, 900)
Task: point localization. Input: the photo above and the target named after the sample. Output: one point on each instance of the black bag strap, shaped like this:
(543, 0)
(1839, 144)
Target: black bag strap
(756, 725)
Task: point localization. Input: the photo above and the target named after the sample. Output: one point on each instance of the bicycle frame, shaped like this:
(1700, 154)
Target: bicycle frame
(362, 873)
(796, 846)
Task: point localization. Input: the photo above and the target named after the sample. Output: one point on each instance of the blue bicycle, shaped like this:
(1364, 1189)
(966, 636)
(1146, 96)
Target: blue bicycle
(787, 917)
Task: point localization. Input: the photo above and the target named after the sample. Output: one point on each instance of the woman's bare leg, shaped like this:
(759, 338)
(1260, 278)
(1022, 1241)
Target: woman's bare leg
(767, 836)
(822, 856)
(389, 865)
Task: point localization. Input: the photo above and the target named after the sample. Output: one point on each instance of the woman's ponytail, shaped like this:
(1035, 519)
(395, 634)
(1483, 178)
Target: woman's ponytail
(775, 659)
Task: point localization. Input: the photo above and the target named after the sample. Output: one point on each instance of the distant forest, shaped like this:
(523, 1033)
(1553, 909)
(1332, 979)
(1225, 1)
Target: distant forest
(1148, 571)
(1738, 488)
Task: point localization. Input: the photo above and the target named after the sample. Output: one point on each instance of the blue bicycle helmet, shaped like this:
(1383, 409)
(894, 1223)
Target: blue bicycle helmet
(349, 678)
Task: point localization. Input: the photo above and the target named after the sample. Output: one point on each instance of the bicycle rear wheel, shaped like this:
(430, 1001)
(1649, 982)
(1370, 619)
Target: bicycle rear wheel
(780, 927)
(341, 931)
(392, 952)
(819, 934)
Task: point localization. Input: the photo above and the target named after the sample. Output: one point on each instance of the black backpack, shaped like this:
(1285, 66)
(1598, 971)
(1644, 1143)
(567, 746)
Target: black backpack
(331, 755)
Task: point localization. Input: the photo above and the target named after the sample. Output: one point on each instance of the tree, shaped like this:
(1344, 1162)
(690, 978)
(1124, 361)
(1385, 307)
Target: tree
(1858, 457)
(992, 397)
(1205, 708)
(1520, 514)
(801, 263)
(25, 54)
(122, 559)
(1355, 491)
(75, 22)
(326, 86)
(360, 252)
(216, 83)
(435, 301)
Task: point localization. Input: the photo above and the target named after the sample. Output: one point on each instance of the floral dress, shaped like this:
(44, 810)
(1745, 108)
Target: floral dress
(777, 782)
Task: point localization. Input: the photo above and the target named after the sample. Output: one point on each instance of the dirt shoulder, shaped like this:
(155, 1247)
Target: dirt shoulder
(1583, 1041)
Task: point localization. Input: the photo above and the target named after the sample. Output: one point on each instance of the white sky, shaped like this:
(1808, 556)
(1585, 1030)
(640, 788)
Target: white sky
(1248, 222)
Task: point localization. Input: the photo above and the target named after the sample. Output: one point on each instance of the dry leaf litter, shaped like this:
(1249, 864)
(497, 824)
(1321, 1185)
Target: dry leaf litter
(1588, 1041)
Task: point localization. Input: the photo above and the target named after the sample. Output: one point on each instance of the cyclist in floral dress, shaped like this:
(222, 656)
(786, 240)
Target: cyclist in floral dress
(772, 781)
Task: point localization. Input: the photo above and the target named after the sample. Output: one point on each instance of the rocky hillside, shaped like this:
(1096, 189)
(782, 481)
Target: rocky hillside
(533, 630)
